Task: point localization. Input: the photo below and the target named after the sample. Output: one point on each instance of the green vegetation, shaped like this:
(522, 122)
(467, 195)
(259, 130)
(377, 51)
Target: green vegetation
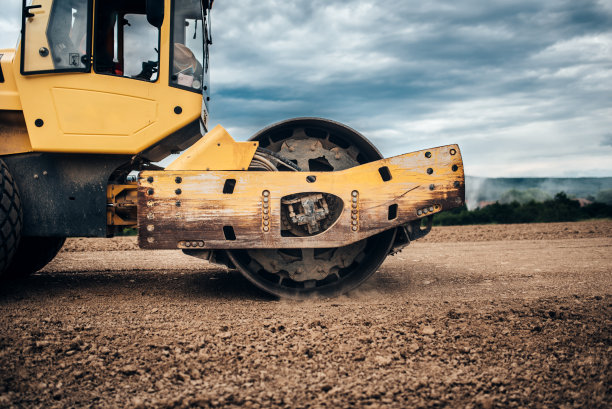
(559, 209)
(128, 231)
(604, 196)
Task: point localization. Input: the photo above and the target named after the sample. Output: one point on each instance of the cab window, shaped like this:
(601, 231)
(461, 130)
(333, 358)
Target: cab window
(126, 44)
(56, 36)
(189, 51)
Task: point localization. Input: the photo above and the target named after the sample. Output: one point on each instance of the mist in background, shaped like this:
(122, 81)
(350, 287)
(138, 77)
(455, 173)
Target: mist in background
(483, 191)
(524, 87)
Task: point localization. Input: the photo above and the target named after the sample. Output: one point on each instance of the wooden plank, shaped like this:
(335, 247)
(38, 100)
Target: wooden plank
(185, 209)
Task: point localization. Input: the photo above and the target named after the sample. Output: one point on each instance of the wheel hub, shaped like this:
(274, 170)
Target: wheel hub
(305, 210)
(309, 153)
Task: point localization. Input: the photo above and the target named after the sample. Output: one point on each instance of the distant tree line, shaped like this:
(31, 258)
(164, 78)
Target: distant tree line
(561, 208)
(604, 196)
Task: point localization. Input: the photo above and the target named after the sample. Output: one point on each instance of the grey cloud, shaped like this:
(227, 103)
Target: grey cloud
(485, 75)
(607, 140)
(10, 23)
(521, 85)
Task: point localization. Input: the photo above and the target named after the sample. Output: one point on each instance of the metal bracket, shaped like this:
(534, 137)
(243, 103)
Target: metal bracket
(217, 150)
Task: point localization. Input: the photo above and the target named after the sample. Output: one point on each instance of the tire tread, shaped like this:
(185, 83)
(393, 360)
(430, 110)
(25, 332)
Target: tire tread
(11, 218)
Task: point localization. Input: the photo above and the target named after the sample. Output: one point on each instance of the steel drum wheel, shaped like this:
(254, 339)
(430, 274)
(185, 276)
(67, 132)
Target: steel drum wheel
(314, 144)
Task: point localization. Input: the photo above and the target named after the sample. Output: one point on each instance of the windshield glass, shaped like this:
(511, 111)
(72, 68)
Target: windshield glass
(126, 44)
(67, 33)
(56, 36)
(190, 46)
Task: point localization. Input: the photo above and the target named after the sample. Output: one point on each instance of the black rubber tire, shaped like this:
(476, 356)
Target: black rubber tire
(11, 219)
(33, 253)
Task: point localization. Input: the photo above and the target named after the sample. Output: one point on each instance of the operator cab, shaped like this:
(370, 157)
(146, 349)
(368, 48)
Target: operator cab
(128, 74)
(126, 39)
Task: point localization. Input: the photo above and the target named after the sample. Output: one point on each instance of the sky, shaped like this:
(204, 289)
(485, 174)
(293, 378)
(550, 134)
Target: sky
(524, 87)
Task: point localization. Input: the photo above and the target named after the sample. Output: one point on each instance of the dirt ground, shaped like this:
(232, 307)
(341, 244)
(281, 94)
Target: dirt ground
(473, 316)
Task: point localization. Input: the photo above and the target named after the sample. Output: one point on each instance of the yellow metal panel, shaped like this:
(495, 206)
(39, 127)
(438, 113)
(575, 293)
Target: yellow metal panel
(86, 112)
(217, 150)
(128, 136)
(9, 96)
(36, 38)
(183, 209)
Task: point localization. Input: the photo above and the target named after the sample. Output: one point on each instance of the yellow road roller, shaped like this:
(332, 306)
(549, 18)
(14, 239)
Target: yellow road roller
(98, 92)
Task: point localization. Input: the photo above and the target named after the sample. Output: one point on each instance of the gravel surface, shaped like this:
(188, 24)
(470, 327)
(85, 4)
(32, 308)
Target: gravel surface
(469, 317)
(531, 231)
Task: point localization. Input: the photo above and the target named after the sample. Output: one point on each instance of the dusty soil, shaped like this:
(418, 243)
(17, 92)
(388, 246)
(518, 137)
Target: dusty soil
(475, 316)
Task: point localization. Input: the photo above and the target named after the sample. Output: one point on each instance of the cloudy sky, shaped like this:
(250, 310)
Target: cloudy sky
(524, 87)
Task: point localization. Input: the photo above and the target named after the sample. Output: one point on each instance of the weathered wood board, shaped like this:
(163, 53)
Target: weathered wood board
(188, 209)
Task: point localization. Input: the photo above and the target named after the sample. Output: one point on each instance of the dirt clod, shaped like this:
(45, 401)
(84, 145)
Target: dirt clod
(428, 331)
(129, 370)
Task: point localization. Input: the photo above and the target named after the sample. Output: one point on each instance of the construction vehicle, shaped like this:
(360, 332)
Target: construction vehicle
(98, 90)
